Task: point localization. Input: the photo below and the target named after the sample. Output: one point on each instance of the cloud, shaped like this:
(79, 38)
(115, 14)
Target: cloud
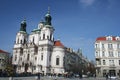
(87, 2)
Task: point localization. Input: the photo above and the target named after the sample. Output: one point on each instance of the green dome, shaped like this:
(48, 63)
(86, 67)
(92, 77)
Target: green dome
(48, 18)
(23, 26)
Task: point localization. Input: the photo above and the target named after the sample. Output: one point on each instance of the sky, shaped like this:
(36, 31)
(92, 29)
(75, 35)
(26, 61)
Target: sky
(77, 23)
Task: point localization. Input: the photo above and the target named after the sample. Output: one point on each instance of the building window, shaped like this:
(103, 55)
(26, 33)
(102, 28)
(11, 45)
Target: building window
(110, 46)
(15, 57)
(41, 56)
(42, 49)
(111, 54)
(118, 53)
(18, 41)
(103, 46)
(28, 56)
(104, 62)
(119, 62)
(40, 38)
(47, 37)
(96, 45)
(43, 36)
(103, 53)
(34, 67)
(57, 61)
(118, 46)
(111, 62)
(50, 36)
(97, 54)
(35, 58)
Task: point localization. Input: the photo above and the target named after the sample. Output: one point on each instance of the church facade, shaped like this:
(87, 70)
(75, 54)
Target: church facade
(38, 52)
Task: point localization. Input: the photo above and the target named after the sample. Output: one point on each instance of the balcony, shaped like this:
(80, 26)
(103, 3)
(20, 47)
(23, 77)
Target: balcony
(112, 66)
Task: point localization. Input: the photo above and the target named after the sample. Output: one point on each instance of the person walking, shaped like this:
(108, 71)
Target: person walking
(106, 76)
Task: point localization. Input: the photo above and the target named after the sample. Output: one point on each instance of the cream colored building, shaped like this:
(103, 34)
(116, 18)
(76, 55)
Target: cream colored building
(107, 55)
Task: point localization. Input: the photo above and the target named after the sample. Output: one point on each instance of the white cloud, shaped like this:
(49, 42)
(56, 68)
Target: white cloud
(87, 2)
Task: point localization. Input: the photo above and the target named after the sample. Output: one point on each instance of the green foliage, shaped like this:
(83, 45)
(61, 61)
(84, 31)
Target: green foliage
(9, 70)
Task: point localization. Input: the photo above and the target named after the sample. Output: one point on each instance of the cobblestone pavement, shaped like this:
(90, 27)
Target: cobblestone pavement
(52, 78)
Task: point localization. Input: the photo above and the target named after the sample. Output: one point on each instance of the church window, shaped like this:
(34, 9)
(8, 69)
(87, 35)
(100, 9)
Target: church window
(15, 57)
(47, 37)
(24, 41)
(35, 58)
(104, 62)
(21, 51)
(119, 62)
(41, 56)
(50, 36)
(43, 36)
(57, 60)
(41, 67)
(50, 57)
(36, 50)
(21, 59)
(40, 38)
(33, 39)
(28, 56)
(18, 40)
(34, 67)
(42, 49)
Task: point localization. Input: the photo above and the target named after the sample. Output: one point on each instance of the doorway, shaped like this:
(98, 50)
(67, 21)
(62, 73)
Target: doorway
(112, 72)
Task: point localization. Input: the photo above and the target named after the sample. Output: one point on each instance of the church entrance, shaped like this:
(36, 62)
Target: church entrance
(112, 72)
(26, 67)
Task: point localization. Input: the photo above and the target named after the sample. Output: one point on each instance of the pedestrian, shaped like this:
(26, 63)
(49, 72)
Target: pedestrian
(106, 76)
(38, 76)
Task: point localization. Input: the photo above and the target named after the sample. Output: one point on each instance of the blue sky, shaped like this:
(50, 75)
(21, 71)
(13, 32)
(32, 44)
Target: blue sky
(77, 23)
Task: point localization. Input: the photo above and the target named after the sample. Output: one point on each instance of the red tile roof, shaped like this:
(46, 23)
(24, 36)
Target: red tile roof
(101, 39)
(104, 38)
(1, 51)
(58, 43)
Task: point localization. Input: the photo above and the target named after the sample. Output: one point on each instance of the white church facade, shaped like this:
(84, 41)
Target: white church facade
(38, 52)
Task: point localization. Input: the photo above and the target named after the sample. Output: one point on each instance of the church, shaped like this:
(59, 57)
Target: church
(38, 52)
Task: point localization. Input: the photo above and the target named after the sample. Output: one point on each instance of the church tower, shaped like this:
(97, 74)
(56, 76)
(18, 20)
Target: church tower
(21, 39)
(46, 43)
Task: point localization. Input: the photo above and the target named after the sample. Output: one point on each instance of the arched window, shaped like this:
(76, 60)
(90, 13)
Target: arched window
(41, 56)
(24, 41)
(50, 36)
(57, 60)
(43, 36)
(20, 41)
(15, 57)
(47, 37)
(17, 40)
(28, 56)
(33, 39)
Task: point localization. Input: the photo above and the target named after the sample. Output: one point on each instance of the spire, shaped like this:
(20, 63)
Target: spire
(48, 10)
(48, 18)
(23, 25)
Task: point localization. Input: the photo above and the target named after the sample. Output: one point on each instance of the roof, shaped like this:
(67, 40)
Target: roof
(112, 38)
(101, 39)
(58, 43)
(1, 51)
